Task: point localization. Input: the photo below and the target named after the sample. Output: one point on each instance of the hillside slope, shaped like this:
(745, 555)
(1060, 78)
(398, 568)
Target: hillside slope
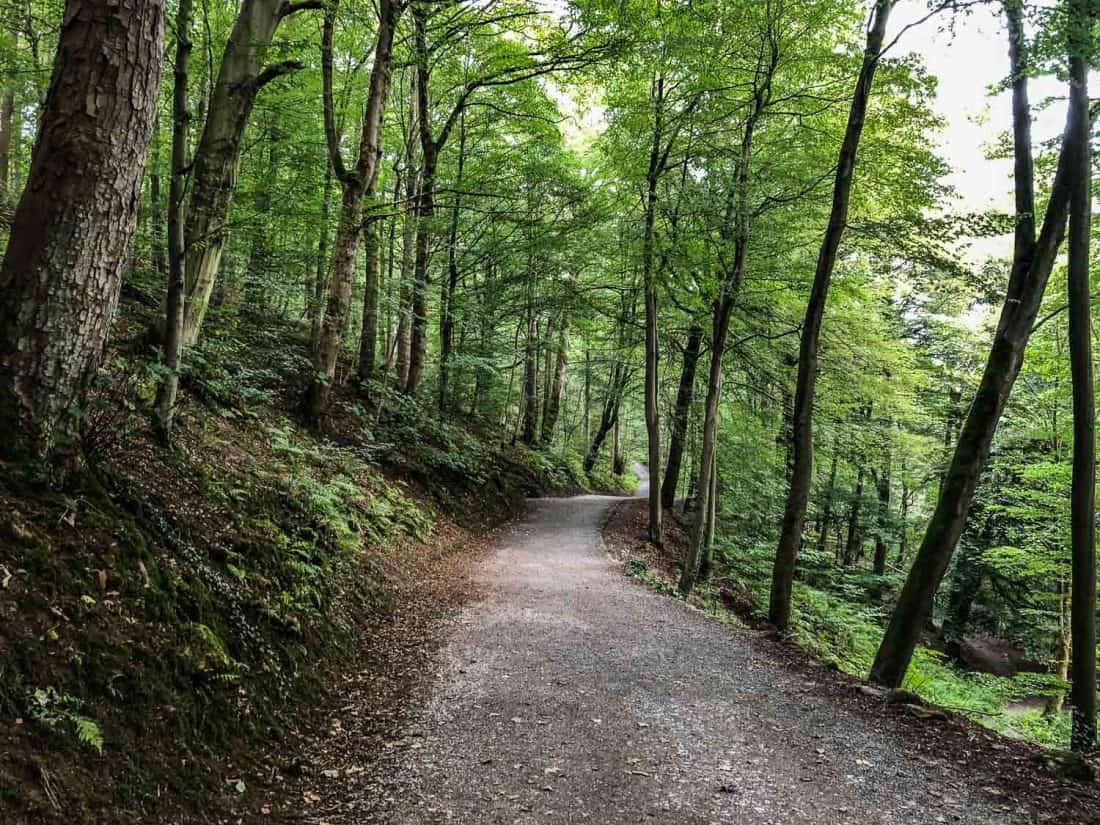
(179, 607)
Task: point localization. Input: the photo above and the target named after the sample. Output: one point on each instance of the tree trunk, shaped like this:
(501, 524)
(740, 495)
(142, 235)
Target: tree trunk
(608, 418)
(802, 437)
(1083, 495)
(447, 309)
(7, 121)
(368, 340)
(827, 511)
(855, 536)
(316, 299)
(684, 397)
(408, 243)
(217, 156)
(882, 485)
(707, 562)
(967, 584)
(652, 344)
(173, 326)
(552, 407)
(259, 254)
(357, 183)
(530, 363)
(72, 229)
(1024, 295)
(158, 239)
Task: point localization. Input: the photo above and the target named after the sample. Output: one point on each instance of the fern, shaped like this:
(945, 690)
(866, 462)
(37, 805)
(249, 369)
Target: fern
(87, 731)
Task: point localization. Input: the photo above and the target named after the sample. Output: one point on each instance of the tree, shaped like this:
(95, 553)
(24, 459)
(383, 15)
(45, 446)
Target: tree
(241, 77)
(1083, 494)
(794, 514)
(357, 183)
(71, 234)
(173, 331)
(1033, 261)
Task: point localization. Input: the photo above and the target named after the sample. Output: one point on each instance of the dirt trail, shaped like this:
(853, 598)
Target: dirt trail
(572, 695)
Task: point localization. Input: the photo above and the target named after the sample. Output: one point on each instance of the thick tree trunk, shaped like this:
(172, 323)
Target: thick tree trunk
(214, 177)
(1083, 496)
(1025, 292)
(685, 395)
(173, 302)
(72, 229)
(802, 437)
(357, 183)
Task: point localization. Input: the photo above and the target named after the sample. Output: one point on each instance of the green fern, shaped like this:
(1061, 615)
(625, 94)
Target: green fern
(87, 731)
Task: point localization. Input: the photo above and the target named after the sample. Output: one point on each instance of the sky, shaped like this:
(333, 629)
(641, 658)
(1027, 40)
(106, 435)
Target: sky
(968, 62)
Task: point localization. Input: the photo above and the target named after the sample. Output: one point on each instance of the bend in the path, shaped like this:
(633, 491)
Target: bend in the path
(571, 695)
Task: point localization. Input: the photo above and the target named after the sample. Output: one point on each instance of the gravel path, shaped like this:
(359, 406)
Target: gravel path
(572, 695)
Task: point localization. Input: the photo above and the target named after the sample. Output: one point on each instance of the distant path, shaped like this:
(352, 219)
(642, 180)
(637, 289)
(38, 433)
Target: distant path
(572, 695)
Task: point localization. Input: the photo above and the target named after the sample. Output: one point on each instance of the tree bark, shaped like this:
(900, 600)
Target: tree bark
(72, 229)
(217, 156)
(882, 485)
(684, 397)
(447, 310)
(7, 121)
(259, 254)
(1026, 286)
(552, 407)
(652, 344)
(738, 214)
(368, 339)
(827, 510)
(316, 297)
(802, 438)
(357, 184)
(173, 302)
(608, 418)
(855, 535)
(1083, 495)
(530, 362)
(158, 238)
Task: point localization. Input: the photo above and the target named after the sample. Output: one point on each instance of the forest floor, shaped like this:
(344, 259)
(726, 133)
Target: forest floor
(564, 692)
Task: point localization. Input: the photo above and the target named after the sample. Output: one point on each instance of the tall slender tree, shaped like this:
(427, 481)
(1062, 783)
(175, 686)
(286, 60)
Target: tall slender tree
(1082, 14)
(357, 183)
(1031, 268)
(173, 330)
(802, 441)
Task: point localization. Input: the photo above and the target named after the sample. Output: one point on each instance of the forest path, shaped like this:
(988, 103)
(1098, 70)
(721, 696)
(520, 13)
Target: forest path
(572, 695)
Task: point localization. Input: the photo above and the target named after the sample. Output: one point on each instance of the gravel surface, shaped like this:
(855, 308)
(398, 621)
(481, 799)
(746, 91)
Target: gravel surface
(570, 694)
